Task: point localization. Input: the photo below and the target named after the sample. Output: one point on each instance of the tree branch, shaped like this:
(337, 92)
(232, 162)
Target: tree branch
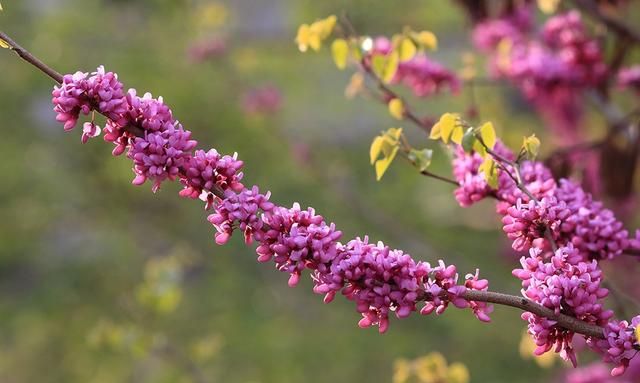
(31, 59)
(564, 321)
(591, 8)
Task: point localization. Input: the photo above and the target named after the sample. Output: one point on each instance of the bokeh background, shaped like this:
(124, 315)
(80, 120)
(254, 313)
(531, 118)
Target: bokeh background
(101, 281)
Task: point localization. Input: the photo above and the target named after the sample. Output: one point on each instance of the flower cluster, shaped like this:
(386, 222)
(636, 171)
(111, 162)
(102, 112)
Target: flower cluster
(424, 76)
(488, 34)
(528, 224)
(473, 185)
(261, 100)
(160, 155)
(537, 215)
(144, 128)
(562, 210)
(599, 373)
(297, 239)
(207, 170)
(537, 179)
(380, 280)
(630, 78)
(241, 211)
(81, 93)
(620, 344)
(551, 67)
(565, 284)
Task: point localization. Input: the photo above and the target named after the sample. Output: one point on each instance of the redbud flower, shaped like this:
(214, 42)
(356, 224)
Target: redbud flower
(160, 155)
(629, 78)
(81, 93)
(620, 344)
(208, 170)
(527, 223)
(297, 239)
(564, 284)
(240, 211)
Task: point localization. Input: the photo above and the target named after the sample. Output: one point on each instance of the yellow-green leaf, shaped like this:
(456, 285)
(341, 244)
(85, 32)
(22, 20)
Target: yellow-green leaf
(488, 134)
(407, 49)
(427, 39)
(326, 26)
(444, 127)
(548, 6)
(457, 373)
(3, 44)
(356, 52)
(383, 164)
(479, 148)
(490, 171)
(531, 146)
(378, 63)
(1, 7)
(376, 148)
(396, 108)
(302, 37)
(457, 134)
(340, 51)
(384, 144)
(394, 133)
(391, 67)
(435, 133)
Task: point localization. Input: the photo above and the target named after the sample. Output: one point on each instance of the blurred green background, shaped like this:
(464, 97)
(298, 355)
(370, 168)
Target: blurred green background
(101, 281)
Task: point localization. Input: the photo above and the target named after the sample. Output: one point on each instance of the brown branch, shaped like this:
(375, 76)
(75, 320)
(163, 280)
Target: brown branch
(31, 59)
(591, 8)
(439, 177)
(564, 321)
(390, 94)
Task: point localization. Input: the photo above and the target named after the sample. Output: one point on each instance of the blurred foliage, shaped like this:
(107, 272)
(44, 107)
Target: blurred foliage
(104, 282)
(430, 368)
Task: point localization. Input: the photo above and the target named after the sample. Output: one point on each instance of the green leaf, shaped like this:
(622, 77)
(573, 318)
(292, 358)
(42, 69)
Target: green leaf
(340, 52)
(469, 140)
(421, 158)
